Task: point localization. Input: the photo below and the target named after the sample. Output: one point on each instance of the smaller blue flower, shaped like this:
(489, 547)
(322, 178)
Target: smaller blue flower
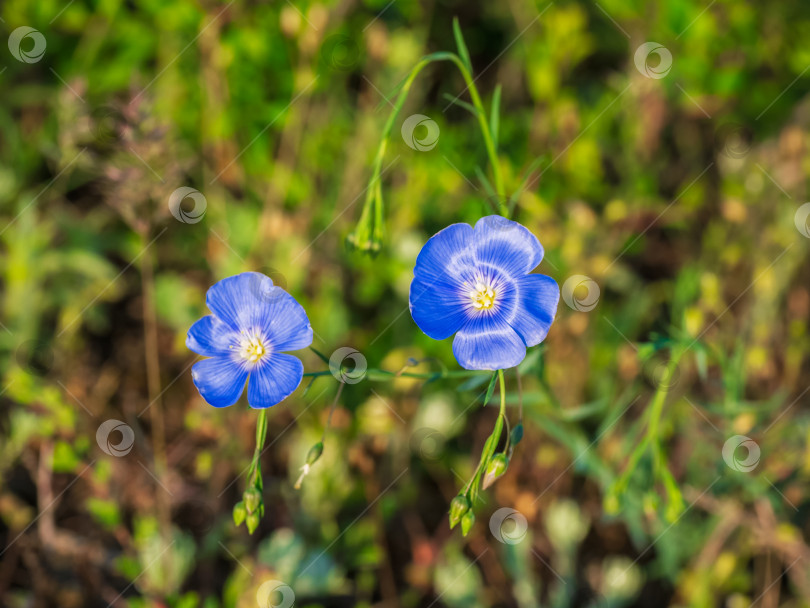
(253, 324)
(476, 283)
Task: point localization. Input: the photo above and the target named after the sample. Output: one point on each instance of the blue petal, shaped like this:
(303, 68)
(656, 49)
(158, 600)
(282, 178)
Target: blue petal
(488, 342)
(285, 322)
(209, 336)
(435, 299)
(506, 245)
(250, 301)
(240, 300)
(274, 380)
(537, 305)
(220, 380)
(447, 256)
(437, 308)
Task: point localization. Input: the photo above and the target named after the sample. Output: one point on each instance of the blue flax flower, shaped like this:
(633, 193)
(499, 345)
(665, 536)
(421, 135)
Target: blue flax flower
(475, 283)
(253, 323)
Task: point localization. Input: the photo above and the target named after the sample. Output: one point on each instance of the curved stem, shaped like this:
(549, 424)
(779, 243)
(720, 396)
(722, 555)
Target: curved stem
(389, 375)
(368, 233)
(651, 439)
(657, 407)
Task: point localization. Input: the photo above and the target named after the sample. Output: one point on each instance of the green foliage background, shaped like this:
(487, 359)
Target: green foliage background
(677, 195)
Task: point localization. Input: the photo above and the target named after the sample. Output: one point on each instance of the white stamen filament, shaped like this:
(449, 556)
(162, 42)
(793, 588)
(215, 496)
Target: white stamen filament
(251, 346)
(482, 295)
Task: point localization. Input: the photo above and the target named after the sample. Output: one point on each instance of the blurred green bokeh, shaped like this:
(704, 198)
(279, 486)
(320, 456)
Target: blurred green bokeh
(675, 183)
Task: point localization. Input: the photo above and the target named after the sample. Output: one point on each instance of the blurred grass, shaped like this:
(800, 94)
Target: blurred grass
(677, 196)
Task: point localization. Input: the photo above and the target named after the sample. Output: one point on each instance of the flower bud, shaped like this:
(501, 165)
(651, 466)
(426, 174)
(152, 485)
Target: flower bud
(239, 513)
(253, 498)
(367, 236)
(496, 467)
(467, 521)
(314, 453)
(458, 507)
(252, 522)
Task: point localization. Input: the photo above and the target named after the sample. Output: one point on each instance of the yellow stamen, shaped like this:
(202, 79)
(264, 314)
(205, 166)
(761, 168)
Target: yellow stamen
(482, 296)
(251, 347)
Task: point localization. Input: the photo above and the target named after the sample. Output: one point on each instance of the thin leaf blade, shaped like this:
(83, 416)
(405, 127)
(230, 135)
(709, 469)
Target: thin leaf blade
(495, 115)
(463, 53)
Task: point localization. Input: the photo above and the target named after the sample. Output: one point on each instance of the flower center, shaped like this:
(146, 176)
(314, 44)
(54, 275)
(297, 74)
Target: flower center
(482, 296)
(251, 348)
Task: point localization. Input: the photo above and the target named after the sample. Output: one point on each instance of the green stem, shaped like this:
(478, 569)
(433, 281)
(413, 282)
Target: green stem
(384, 374)
(502, 384)
(261, 436)
(651, 439)
(369, 227)
(471, 487)
(657, 406)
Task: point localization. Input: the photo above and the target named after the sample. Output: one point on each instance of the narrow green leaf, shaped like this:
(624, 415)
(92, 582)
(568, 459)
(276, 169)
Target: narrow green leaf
(321, 356)
(491, 388)
(463, 53)
(309, 386)
(495, 115)
(485, 182)
(471, 383)
(516, 435)
(454, 100)
(434, 377)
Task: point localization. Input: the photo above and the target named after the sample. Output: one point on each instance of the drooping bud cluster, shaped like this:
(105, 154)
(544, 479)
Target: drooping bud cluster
(251, 508)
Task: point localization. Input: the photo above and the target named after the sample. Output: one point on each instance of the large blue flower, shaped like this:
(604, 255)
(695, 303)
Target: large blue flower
(475, 283)
(253, 323)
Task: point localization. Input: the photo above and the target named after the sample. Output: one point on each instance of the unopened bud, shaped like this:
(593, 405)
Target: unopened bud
(253, 498)
(496, 467)
(458, 507)
(467, 521)
(314, 453)
(239, 513)
(252, 522)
